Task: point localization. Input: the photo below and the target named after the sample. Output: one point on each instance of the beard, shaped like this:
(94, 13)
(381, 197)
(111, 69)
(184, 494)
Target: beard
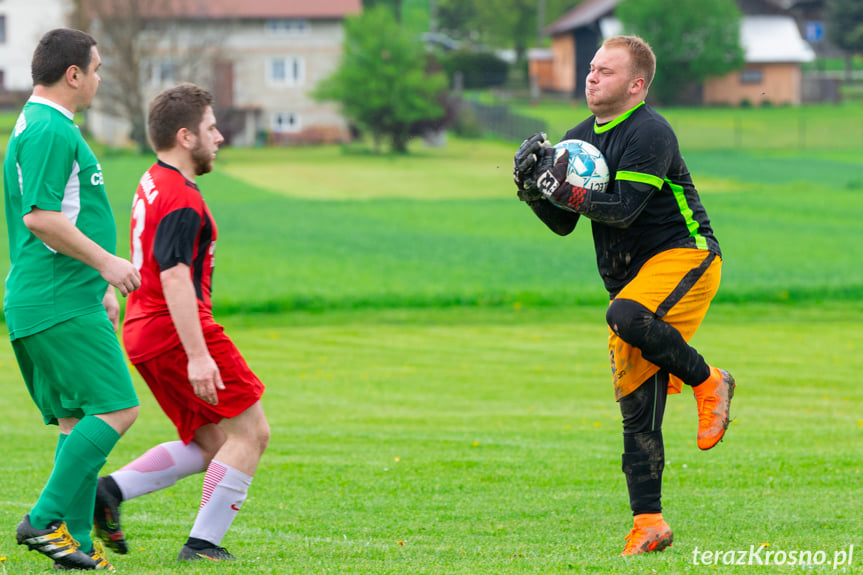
(202, 160)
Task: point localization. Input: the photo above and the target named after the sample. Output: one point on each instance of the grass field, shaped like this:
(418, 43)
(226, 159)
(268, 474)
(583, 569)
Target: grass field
(487, 441)
(438, 387)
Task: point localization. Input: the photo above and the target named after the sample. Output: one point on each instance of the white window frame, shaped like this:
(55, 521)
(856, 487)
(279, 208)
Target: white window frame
(286, 123)
(163, 72)
(294, 69)
(287, 26)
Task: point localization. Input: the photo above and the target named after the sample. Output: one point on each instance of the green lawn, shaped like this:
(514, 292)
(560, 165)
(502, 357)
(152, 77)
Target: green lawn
(436, 364)
(406, 241)
(487, 441)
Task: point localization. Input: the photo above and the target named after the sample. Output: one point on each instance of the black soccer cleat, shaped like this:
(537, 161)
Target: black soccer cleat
(100, 561)
(56, 543)
(106, 518)
(213, 553)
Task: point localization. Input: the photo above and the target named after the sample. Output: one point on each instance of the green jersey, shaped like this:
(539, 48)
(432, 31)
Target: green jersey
(49, 166)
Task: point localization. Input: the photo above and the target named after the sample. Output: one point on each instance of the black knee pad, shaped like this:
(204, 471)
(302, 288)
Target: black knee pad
(629, 320)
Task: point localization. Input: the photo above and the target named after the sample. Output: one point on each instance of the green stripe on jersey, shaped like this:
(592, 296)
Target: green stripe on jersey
(686, 212)
(597, 129)
(654, 181)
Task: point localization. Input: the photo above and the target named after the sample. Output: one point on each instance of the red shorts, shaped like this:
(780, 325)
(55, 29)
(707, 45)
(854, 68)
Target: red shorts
(167, 376)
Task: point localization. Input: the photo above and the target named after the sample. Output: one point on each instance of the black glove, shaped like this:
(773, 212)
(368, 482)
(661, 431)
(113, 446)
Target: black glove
(552, 168)
(524, 166)
(530, 195)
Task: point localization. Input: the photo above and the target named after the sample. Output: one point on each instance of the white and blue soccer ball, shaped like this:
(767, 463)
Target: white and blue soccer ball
(587, 166)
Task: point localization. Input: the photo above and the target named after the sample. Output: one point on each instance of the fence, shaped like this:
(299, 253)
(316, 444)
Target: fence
(500, 121)
(820, 127)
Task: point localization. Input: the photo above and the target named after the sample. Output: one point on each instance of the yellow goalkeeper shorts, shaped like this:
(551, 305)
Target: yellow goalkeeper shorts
(672, 285)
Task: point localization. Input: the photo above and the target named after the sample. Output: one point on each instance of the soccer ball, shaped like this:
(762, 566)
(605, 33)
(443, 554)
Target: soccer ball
(587, 166)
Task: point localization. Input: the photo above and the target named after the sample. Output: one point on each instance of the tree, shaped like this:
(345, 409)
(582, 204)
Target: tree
(844, 20)
(692, 39)
(140, 46)
(383, 83)
(500, 23)
(394, 5)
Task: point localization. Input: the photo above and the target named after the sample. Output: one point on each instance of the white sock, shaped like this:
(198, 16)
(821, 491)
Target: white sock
(161, 467)
(225, 490)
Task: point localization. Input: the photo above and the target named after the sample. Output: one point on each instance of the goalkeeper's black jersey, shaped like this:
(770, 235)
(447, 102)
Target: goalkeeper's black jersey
(641, 148)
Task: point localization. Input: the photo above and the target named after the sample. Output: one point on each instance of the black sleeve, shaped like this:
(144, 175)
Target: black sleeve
(621, 207)
(560, 221)
(175, 238)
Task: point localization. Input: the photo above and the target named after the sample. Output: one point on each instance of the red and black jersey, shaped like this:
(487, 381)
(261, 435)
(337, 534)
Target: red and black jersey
(170, 225)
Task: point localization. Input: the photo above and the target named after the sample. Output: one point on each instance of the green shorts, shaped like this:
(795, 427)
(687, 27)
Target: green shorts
(76, 368)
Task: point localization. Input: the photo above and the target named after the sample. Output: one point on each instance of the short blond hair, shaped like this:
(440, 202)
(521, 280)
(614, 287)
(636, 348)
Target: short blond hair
(643, 58)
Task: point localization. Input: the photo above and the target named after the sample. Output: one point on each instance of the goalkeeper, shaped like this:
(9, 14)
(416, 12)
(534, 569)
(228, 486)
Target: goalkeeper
(659, 260)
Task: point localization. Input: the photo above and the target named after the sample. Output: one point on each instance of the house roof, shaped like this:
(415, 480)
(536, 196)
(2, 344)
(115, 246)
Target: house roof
(584, 14)
(773, 39)
(239, 9)
(765, 39)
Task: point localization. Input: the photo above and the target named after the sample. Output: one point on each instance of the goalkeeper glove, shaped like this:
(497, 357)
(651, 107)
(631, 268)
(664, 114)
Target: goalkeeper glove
(524, 166)
(552, 170)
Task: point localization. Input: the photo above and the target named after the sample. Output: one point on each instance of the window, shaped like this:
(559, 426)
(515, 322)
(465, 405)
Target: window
(285, 123)
(751, 76)
(288, 26)
(163, 71)
(286, 71)
(2, 29)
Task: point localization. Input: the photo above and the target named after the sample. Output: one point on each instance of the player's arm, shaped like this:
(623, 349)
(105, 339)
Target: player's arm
(559, 221)
(179, 292)
(173, 247)
(112, 306)
(648, 154)
(618, 209)
(58, 233)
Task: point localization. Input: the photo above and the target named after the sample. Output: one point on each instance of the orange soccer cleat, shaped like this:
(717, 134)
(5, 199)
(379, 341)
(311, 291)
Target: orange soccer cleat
(651, 533)
(714, 404)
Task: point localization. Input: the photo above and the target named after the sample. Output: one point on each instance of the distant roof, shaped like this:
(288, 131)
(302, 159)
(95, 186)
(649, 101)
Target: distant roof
(773, 39)
(244, 9)
(765, 39)
(539, 54)
(584, 14)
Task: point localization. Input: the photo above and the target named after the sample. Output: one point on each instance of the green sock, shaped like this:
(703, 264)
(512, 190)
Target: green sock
(60, 441)
(79, 458)
(79, 519)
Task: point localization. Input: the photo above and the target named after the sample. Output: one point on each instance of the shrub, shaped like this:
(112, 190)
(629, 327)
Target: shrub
(479, 69)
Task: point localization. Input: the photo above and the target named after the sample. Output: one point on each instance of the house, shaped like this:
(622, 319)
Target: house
(21, 26)
(773, 52)
(574, 39)
(260, 58)
(770, 36)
